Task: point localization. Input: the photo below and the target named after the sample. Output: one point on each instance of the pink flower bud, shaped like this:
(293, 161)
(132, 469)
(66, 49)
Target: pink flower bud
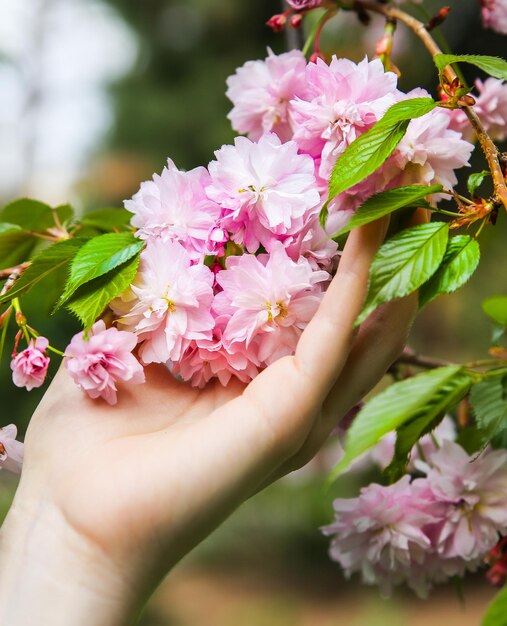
(277, 22)
(106, 357)
(296, 20)
(29, 368)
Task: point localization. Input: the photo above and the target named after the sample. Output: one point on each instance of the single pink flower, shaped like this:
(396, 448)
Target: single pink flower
(430, 152)
(261, 92)
(98, 361)
(494, 15)
(343, 100)
(380, 535)
(168, 305)
(474, 492)
(29, 367)
(11, 451)
(266, 189)
(175, 207)
(270, 299)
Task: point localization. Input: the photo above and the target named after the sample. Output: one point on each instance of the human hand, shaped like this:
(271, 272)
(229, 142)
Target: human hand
(112, 497)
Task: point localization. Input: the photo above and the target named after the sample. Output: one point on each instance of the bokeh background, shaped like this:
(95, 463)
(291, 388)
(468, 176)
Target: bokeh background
(95, 95)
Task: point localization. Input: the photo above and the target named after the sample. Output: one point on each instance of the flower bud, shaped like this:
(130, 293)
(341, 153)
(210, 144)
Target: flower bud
(296, 20)
(277, 22)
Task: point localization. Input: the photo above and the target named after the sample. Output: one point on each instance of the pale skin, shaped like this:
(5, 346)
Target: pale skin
(112, 498)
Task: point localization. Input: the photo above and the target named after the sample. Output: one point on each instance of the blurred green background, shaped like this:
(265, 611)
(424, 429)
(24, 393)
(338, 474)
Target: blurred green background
(95, 96)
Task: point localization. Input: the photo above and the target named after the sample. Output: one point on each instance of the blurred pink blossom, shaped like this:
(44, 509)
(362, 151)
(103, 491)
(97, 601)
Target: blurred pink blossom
(29, 367)
(11, 451)
(98, 361)
(494, 15)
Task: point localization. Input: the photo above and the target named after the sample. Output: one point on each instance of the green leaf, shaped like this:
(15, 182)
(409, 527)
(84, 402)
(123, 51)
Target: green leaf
(392, 408)
(489, 404)
(494, 66)
(97, 257)
(403, 263)
(15, 245)
(91, 299)
(443, 400)
(496, 615)
(460, 261)
(33, 215)
(496, 308)
(53, 258)
(387, 202)
(108, 219)
(369, 151)
(476, 180)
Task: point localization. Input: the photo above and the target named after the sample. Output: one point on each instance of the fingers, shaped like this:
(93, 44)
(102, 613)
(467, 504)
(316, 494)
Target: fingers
(378, 344)
(324, 345)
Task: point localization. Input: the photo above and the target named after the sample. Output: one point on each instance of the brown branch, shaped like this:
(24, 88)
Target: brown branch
(424, 362)
(488, 147)
(17, 270)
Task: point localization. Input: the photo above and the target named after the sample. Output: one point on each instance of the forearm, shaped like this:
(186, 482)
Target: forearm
(49, 574)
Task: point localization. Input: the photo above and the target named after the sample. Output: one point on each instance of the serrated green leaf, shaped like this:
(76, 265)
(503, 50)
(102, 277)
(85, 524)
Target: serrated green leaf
(53, 258)
(15, 245)
(496, 308)
(443, 400)
(387, 202)
(108, 219)
(476, 180)
(91, 299)
(403, 263)
(392, 408)
(494, 66)
(489, 405)
(496, 614)
(460, 261)
(369, 151)
(33, 215)
(97, 257)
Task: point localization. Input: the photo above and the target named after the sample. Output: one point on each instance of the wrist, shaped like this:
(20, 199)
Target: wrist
(48, 568)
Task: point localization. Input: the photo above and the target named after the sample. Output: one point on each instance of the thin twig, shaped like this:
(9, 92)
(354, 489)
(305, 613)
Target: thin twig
(419, 360)
(488, 147)
(17, 269)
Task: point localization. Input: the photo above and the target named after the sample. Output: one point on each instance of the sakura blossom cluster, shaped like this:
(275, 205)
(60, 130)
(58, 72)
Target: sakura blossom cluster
(494, 15)
(425, 530)
(235, 261)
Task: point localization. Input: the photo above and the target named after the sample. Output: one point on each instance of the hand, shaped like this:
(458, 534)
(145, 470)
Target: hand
(112, 497)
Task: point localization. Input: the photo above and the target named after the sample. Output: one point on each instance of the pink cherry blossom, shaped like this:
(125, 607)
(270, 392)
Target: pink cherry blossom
(29, 367)
(270, 298)
(174, 206)
(209, 358)
(474, 492)
(261, 92)
(430, 152)
(343, 100)
(168, 305)
(313, 243)
(491, 107)
(494, 15)
(266, 189)
(11, 451)
(380, 535)
(97, 361)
